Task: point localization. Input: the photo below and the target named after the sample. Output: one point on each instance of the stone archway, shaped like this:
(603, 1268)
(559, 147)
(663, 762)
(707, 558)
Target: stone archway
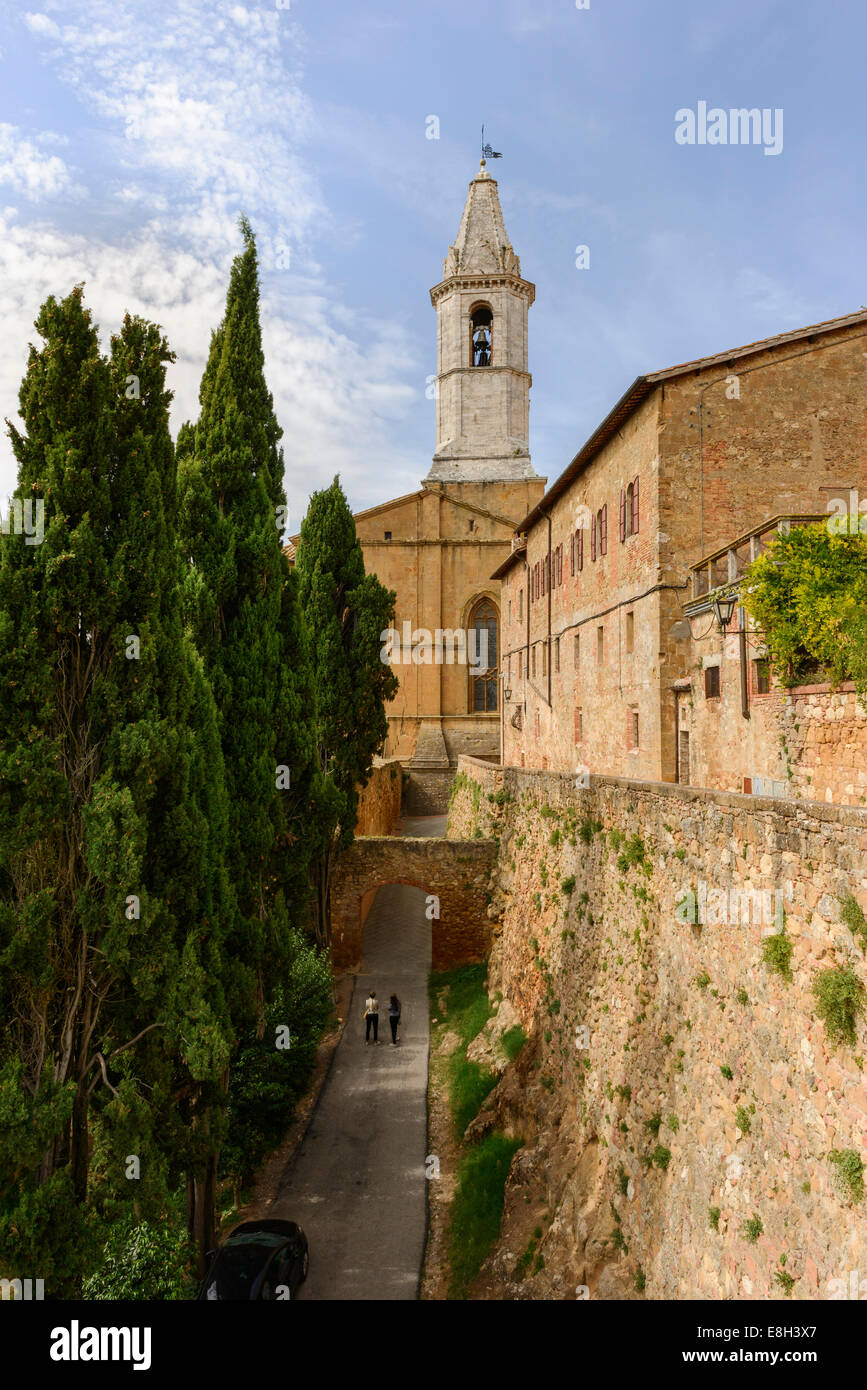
(455, 872)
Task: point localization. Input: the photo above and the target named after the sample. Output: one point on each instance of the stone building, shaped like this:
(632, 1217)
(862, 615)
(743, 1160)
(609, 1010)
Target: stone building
(437, 547)
(598, 661)
(738, 729)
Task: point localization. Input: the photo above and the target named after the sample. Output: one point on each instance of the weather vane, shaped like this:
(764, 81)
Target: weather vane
(487, 152)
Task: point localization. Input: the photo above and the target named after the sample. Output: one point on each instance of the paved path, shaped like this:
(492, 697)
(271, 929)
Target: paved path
(423, 827)
(357, 1184)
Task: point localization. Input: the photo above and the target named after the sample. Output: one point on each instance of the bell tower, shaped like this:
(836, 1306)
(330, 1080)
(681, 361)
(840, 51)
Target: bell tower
(483, 384)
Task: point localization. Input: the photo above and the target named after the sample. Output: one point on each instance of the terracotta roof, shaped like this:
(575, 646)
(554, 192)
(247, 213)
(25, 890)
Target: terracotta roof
(510, 560)
(644, 386)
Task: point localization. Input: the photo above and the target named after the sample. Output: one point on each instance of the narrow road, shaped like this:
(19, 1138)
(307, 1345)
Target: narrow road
(357, 1183)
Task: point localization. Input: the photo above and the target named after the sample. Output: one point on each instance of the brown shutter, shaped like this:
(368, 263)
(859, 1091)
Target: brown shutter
(622, 515)
(593, 538)
(572, 555)
(604, 536)
(635, 508)
(581, 549)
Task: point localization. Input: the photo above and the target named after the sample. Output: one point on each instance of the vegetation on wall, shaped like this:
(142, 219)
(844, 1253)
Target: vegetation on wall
(808, 597)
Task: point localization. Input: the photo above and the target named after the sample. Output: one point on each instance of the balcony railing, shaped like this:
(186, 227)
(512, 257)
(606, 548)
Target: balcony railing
(728, 564)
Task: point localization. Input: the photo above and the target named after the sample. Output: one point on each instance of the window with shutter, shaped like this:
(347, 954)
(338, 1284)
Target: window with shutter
(581, 549)
(572, 555)
(605, 529)
(635, 508)
(623, 531)
(593, 526)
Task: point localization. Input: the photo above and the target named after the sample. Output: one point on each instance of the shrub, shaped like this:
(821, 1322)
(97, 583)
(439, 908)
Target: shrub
(713, 1215)
(777, 954)
(513, 1040)
(849, 1175)
(753, 1228)
(742, 1120)
(854, 918)
(143, 1261)
(568, 885)
(839, 996)
(653, 1125)
(661, 1157)
(634, 853)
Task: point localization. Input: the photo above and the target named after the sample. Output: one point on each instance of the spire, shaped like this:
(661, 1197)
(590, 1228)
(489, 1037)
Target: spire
(482, 244)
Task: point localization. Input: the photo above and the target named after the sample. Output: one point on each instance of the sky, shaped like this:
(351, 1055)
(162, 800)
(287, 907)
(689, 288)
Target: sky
(132, 136)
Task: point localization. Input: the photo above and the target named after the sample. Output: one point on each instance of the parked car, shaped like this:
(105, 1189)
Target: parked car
(259, 1260)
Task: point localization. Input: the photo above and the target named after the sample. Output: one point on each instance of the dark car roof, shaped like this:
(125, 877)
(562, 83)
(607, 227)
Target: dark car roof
(261, 1233)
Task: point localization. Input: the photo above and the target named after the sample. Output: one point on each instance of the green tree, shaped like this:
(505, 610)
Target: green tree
(242, 602)
(347, 611)
(110, 906)
(808, 595)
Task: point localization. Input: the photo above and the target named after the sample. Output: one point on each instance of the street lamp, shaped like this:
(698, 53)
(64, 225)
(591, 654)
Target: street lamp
(723, 608)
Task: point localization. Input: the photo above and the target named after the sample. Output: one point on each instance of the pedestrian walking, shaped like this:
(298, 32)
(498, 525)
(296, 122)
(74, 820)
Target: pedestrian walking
(394, 1016)
(371, 1017)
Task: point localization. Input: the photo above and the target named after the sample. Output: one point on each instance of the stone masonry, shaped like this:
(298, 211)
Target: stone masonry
(457, 872)
(708, 1099)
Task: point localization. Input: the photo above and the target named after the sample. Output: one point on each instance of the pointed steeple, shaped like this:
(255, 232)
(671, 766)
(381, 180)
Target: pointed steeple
(482, 244)
(483, 380)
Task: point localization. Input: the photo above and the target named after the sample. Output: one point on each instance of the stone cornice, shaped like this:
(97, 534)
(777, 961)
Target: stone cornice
(491, 280)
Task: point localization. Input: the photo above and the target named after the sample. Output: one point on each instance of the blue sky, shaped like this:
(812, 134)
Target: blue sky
(132, 135)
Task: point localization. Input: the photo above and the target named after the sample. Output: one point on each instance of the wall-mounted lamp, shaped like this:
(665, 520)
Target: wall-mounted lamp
(723, 608)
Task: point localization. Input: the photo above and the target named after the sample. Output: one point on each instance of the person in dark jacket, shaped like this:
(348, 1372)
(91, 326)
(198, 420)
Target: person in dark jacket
(394, 1016)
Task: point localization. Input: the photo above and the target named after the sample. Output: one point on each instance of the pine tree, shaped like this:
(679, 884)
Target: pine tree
(347, 612)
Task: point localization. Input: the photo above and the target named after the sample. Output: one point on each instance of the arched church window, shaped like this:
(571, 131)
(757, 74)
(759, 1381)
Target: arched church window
(481, 336)
(484, 626)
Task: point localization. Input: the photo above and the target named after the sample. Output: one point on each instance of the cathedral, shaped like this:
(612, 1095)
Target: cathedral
(438, 547)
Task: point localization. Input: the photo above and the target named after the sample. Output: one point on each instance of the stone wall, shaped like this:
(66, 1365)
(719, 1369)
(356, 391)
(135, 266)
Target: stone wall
(379, 800)
(457, 872)
(708, 1094)
(808, 742)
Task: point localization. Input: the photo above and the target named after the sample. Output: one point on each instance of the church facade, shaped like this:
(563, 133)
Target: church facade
(438, 547)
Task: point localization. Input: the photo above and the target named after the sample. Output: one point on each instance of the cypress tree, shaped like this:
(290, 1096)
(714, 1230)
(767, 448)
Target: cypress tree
(242, 604)
(113, 895)
(346, 611)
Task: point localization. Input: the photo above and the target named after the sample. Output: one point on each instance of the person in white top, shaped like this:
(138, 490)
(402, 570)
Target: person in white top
(371, 1017)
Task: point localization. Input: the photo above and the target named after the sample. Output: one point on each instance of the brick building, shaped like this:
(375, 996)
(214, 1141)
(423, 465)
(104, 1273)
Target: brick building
(597, 659)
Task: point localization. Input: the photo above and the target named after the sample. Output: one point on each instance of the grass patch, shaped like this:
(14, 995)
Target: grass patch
(467, 1011)
(477, 1209)
(513, 1040)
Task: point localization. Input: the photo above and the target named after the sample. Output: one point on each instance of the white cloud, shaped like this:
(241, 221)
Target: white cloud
(25, 168)
(199, 115)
